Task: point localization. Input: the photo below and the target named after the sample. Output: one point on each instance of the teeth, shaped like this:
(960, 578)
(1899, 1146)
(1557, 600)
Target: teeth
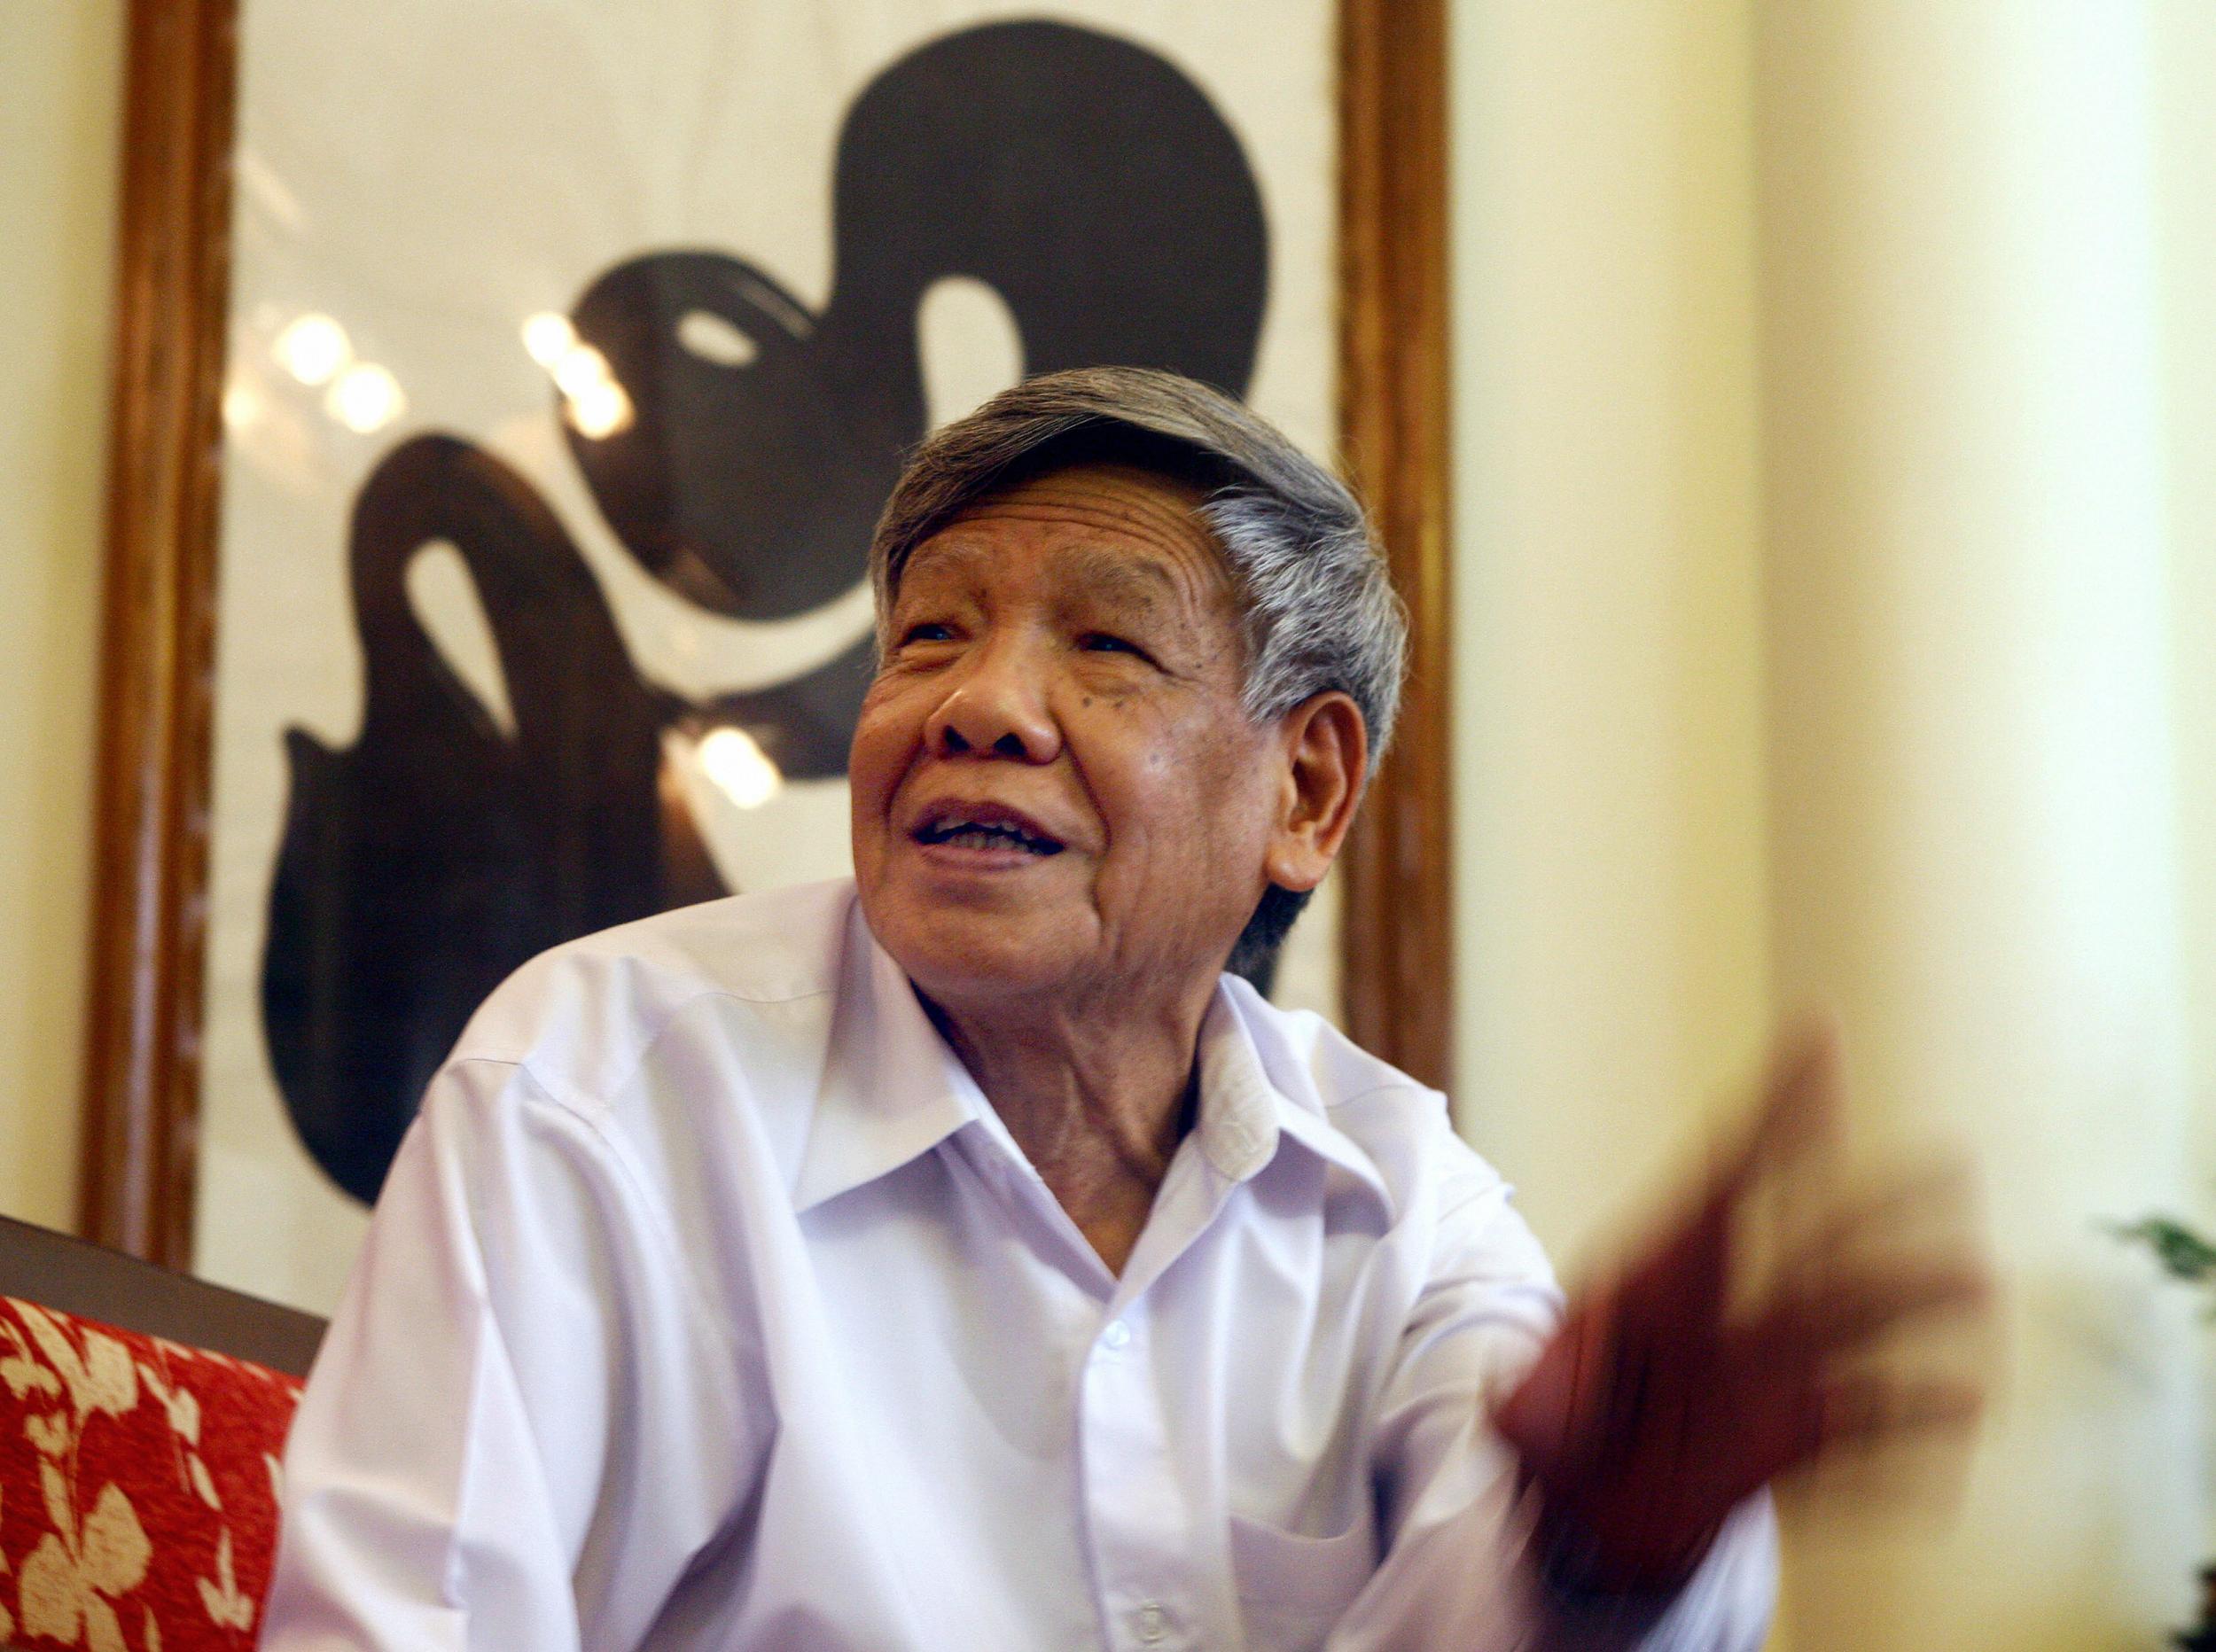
(971, 835)
(986, 838)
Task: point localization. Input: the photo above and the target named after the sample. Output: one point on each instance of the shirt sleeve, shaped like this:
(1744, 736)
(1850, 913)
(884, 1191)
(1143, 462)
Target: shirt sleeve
(467, 1469)
(1458, 1569)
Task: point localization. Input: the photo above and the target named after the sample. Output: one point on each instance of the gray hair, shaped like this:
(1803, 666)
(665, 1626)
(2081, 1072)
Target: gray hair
(1317, 610)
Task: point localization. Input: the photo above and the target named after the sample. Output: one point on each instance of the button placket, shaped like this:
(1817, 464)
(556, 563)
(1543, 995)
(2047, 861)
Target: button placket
(1137, 1512)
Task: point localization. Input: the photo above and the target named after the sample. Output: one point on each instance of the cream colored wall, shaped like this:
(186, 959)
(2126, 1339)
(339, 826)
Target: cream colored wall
(2184, 48)
(1974, 784)
(2185, 69)
(60, 67)
(1610, 847)
(1836, 608)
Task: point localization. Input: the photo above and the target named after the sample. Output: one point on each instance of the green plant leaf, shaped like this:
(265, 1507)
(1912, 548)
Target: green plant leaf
(2182, 1253)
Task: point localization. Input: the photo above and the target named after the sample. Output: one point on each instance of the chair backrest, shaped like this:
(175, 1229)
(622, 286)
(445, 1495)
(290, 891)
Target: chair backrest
(143, 1415)
(95, 1283)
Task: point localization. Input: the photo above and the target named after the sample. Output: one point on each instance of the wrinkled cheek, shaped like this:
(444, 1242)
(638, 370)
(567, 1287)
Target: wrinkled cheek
(1145, 897)
(871, 770)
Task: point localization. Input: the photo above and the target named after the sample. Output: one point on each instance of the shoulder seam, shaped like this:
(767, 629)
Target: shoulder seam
(651, 1035)
(1380, 1089)
(665, 1232)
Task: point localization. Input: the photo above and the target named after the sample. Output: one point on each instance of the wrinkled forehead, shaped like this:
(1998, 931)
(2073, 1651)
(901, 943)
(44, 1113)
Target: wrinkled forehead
(1120, 576)
(1118, 531)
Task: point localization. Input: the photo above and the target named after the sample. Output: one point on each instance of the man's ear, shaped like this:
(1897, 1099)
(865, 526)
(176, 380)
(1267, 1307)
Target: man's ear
(1326, 748)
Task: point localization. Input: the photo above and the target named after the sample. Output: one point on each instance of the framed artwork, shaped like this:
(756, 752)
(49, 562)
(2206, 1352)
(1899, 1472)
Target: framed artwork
(504, 395)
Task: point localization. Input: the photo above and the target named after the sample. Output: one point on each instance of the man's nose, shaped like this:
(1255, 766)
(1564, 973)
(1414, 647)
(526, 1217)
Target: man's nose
(997, 704)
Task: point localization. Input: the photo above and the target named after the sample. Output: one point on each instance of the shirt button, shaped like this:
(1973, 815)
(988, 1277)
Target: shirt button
(1154, 1622)
(1115, 1336)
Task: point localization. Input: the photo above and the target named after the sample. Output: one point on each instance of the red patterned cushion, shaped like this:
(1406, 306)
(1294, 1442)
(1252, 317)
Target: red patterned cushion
(137, 1487)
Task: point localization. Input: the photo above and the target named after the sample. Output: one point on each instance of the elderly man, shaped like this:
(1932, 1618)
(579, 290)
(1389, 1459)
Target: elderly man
(958, 1257)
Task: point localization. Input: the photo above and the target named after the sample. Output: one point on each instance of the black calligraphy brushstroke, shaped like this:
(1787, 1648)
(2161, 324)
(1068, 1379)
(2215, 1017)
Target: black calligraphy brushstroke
(1086, 180)
(421, 867)
(1082, 177)
(749, 488)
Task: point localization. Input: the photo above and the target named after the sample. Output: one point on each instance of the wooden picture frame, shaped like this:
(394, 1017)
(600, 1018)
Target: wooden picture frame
(140, 1153)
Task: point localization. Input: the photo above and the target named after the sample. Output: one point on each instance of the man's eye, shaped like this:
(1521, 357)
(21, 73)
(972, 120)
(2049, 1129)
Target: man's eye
(1102, 643)
(930, 631)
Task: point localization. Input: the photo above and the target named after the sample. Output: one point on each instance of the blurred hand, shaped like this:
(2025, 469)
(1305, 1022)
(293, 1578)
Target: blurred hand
(1672, 1391)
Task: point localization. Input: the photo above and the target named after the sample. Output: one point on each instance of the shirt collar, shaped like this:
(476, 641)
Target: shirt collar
(892, 1089)
(1254, 1092)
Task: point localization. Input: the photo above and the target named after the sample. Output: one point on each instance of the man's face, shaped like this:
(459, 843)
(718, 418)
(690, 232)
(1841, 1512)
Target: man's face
(1056, 790)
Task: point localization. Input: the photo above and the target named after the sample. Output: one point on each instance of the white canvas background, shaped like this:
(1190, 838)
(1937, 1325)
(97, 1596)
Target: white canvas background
(429, 173)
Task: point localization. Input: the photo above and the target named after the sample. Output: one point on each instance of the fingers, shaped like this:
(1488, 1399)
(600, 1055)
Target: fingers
(1828, 1318)
(1860, 1416)
(1686, 1269)
(1865, 1412)
(1799, 1108)
(1905, 1252)
(1763, 1328)
(1940, 1196)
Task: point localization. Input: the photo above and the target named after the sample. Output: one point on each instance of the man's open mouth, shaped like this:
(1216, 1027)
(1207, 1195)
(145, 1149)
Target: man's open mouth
(962, 832)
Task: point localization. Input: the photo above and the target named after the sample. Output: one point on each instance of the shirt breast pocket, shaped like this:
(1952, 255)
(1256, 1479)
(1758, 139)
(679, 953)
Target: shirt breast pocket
(1294, 1589)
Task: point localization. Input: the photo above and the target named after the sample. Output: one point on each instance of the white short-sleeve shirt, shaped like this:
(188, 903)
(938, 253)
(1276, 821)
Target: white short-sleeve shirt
(709, 1305)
